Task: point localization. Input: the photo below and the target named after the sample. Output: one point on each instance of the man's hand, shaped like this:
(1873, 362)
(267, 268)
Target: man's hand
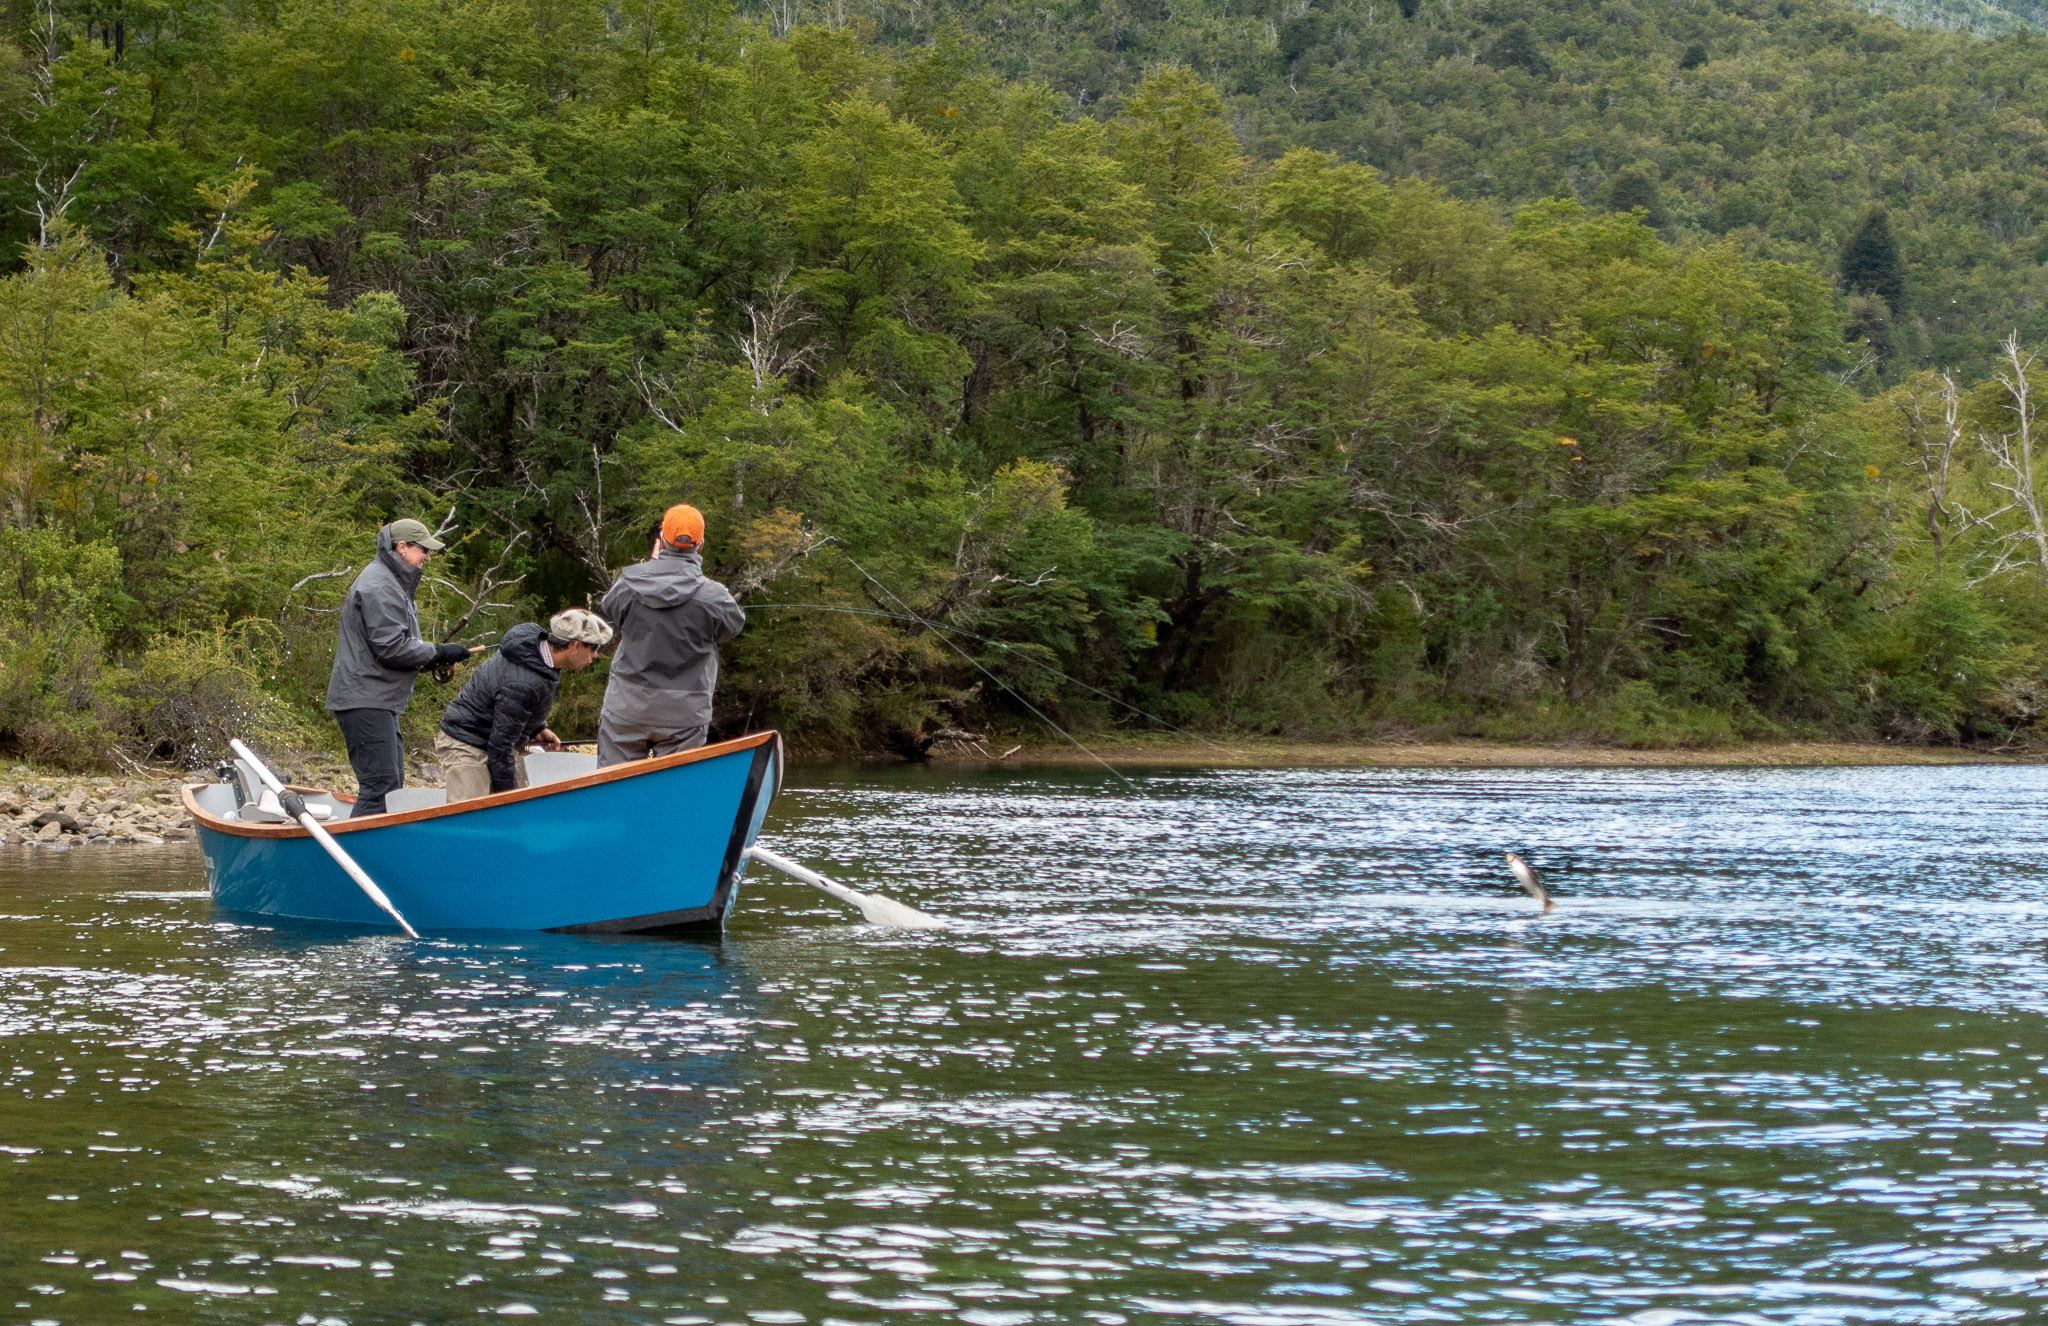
(446, 657)
(548, 740)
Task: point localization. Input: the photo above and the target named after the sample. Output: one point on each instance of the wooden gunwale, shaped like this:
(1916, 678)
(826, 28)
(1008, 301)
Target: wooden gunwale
(630, 769)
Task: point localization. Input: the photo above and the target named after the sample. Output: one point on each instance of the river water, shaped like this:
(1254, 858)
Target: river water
(1264, 1047)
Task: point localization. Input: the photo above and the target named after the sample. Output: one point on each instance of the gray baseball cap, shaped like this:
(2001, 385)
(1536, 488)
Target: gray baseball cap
(413, 531)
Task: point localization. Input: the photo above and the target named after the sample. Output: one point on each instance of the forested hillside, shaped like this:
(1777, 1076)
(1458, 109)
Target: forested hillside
(1780, 123)
(1299, 413)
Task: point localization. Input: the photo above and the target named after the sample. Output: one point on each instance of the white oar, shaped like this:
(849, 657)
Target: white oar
(295, 806)
(874, 909)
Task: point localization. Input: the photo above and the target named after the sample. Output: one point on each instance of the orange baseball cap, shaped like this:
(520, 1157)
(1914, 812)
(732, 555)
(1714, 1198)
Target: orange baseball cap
(682, 526)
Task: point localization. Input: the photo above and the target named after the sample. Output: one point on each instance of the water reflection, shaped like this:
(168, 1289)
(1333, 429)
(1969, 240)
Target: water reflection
(1244, 1047)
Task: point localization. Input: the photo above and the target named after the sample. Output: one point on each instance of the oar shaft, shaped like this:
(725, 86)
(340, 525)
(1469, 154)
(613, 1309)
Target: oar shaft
(354, 871)
(873, 907)
(290, 800)
(804, 873)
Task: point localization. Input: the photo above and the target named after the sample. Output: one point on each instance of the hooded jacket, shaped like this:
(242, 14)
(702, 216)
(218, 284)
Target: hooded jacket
(380, 652)
(670, 618)
(505, 703)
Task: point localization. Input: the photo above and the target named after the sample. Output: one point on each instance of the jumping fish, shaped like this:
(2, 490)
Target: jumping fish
(1526, 874)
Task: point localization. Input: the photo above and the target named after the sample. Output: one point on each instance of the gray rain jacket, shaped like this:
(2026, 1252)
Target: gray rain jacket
(671, 618)
(380, 653)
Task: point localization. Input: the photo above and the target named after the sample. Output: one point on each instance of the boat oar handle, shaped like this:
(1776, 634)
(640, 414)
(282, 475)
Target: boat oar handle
(294, 805)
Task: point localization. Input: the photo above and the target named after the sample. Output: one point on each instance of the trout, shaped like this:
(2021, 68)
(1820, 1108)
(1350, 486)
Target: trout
(1526, 874)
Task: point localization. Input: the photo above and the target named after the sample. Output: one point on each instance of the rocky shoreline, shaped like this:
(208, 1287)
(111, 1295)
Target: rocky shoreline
(42, 810)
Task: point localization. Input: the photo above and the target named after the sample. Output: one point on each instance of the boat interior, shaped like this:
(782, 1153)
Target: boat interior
(246, 798)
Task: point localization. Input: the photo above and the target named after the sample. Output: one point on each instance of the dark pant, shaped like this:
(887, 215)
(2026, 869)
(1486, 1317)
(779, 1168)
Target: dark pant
(376, 753)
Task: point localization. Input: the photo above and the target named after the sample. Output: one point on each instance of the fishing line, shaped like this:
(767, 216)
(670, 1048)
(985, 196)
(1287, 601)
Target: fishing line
(1007, 648)
(977, 666)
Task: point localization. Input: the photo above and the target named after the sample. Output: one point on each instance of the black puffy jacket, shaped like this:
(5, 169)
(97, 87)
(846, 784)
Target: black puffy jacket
(505, 704)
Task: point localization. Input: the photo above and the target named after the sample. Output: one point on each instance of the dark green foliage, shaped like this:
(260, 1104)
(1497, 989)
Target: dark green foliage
(1793, 119)
(1871, 264)
(1516, 48)
(989, 403)
(1634, 189)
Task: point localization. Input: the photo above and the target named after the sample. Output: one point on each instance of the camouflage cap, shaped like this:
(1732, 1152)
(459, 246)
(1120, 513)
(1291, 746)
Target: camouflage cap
(580, 626)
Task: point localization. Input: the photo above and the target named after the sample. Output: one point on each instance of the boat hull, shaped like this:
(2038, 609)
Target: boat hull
(647, 848)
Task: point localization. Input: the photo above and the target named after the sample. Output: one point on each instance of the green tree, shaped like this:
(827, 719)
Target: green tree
(1871, 263)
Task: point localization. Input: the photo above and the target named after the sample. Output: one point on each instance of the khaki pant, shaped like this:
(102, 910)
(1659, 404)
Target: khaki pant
(466, 769)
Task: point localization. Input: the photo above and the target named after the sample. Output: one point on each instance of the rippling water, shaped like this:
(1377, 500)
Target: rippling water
(1249, 1047)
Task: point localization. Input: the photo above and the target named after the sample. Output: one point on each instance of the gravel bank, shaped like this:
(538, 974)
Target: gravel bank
(46, 811)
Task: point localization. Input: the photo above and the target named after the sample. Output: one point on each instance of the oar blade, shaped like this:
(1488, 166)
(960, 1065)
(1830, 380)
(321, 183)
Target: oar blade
(877, 910)
(873, 908)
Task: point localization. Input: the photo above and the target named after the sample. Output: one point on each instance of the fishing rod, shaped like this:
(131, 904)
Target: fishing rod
(1007, 648)
(976, 664)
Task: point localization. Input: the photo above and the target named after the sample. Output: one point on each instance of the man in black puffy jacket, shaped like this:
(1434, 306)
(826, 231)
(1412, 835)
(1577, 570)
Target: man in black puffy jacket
(483, 737)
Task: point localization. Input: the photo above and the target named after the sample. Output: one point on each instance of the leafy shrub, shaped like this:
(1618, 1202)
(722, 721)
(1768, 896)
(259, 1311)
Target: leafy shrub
(185, 698)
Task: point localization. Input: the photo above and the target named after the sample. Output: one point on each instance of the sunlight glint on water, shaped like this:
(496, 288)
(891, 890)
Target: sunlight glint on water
(1258, 1047)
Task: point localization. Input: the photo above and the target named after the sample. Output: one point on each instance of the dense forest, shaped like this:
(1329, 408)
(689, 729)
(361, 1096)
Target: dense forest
(1780, 122)
(1656, 376)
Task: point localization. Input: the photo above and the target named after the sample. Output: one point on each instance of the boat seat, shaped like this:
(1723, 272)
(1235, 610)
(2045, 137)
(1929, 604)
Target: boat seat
(248, 787)
(255, 803)
(415, 798)
(543, 766)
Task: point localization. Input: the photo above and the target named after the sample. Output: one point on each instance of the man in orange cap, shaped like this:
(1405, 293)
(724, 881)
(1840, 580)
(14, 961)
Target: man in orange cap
(670, 618)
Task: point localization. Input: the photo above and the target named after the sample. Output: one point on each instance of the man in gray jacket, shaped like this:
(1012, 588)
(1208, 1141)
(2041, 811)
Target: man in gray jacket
(670, 618)
(379, 656)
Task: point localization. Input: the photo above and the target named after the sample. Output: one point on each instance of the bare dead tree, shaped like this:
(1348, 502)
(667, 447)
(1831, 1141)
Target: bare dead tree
(2020, 543)
(478, 595)
(658, 394)
(46, 47)
(1934, 447)
(1123, 339)
(766, 346)
(304, 581)
(590, 501)
(586, 545)
(51, 203)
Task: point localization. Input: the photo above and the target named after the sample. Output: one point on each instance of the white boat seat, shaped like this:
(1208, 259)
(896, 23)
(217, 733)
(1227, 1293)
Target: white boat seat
(415, 798)
(263, 810)
(552, 766)
(257, 804)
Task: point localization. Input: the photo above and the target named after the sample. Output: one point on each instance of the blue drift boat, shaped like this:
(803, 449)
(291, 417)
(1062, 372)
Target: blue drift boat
(647, 848)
